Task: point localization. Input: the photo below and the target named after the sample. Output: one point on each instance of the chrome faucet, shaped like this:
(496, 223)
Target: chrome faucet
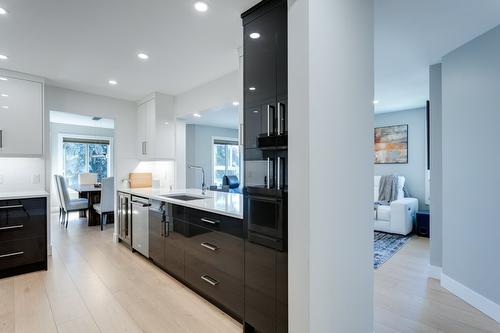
(203, 185)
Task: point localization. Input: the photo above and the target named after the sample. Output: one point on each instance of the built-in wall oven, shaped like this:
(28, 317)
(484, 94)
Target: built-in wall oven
(266, 217)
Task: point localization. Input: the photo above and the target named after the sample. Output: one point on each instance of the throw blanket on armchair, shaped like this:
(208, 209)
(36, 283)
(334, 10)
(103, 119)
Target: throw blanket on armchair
(388, 190)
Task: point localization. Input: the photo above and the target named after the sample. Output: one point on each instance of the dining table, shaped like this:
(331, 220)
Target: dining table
(93, 194)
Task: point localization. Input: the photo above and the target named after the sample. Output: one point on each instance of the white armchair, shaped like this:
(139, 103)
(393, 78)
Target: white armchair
(398, 218)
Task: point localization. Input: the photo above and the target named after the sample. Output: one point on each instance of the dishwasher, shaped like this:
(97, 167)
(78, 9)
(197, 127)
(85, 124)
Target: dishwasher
(140, 225)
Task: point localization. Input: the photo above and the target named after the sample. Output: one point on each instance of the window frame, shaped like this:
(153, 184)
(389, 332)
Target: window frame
(212, 166)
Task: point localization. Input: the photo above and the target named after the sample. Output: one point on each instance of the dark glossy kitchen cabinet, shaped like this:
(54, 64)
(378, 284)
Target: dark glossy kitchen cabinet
(175, 247)
(23, 236)
(266, 166)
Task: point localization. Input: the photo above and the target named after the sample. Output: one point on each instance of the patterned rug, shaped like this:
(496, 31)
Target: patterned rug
(385, 246)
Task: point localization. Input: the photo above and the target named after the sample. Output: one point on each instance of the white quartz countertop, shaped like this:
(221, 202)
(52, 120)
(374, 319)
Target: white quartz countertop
(224, 203)
(22, 195)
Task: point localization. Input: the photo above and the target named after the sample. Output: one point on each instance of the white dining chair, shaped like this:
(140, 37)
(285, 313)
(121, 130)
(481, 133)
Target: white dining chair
(70, 205)
(87, 178)
(107, 204)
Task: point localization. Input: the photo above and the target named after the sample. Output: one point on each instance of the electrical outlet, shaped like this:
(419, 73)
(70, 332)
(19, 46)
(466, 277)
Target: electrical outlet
(36, 179)
(1, 179)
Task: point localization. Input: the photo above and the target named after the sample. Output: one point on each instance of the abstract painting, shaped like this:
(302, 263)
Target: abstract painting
(391, 145)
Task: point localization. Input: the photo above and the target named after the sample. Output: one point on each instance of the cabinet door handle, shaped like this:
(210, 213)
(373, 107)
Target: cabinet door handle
(278, 174)
(12, 227)
(210, 221)
(209, 246)
(13, 254)
(268, 111)
(145, 147)
(1, 139)
(11, 207)
(210, 280)
(279, 118)
(268, 173)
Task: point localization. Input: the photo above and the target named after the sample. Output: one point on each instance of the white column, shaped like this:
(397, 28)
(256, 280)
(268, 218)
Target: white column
(330, 166)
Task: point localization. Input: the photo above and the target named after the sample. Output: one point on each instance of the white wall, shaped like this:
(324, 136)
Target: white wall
(414, 170)
(436, 137)
(471, 177)
(17, 174)
(331, 133)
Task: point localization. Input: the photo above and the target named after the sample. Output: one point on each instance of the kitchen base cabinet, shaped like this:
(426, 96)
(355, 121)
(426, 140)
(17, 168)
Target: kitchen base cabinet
(23, 236)
(174, 248)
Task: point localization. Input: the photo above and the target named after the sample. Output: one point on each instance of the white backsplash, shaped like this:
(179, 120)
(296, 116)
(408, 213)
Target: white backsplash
(22, 174)
(163, 172)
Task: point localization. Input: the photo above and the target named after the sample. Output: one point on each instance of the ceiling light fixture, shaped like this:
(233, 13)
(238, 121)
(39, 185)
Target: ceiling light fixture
(142, 56)
(201, 6)
(3, 11)
(255, 35)
(197, 115)
(236, 103)
(4, 95)
(251, 88)
(3, 57)
(166, 123)
(376, 102)
(3, 79)
(5, 106)
(112, 82)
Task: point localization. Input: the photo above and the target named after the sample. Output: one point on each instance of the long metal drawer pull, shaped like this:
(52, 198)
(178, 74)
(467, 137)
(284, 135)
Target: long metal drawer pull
(12, 206)
(209, 246)
(12, 227)
(279, 118)
(210, 280)
(210, 221)
(12, 254)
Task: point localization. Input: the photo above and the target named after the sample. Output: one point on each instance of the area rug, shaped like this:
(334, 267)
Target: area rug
(385, 246)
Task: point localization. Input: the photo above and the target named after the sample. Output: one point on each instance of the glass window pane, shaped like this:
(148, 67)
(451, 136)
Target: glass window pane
(74, 161)
(98, 160)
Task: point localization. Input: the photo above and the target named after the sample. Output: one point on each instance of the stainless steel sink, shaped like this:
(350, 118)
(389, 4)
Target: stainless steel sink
(185, 197)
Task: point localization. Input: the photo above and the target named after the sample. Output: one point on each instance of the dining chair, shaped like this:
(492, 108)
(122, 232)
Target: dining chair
(107, 204)
(70, 205)
(87, 178)
(59, 198)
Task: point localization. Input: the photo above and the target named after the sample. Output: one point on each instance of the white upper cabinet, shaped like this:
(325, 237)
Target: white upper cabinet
(21, 117)
(156, 128)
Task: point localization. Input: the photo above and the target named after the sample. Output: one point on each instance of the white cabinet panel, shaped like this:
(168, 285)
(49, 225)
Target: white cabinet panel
(21, 118)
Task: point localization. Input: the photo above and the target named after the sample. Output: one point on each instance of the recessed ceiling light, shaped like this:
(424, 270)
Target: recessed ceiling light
(236, 103)
(166, 123)
(142, 56)
(255, 111)
(3, 11)
(201, 6)
(376, 102)
(3, 79)
(112, 82)
(251, 88)
(255, 35)
(4, 95)
(3, 57)
(197, 115)
(5, 106)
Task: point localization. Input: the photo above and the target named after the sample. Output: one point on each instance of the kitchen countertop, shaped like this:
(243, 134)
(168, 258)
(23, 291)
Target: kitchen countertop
(22, 195)
(224, 203)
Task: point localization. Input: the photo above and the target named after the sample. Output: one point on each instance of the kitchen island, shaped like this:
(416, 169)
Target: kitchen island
(196, 238)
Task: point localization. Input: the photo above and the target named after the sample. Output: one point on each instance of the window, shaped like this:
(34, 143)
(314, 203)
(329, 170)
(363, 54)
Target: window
(82, 155)
(226, 160)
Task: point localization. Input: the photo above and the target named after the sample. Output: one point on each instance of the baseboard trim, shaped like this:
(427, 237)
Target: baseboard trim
(435, 272)
(483, 304)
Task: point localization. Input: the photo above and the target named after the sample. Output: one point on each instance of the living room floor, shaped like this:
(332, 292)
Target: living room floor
(406, 300)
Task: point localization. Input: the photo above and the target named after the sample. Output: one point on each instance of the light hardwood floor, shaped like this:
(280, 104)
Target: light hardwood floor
(94, 285)
(406, 300)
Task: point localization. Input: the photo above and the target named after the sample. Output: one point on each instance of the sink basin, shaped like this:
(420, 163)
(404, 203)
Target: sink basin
(185, 197)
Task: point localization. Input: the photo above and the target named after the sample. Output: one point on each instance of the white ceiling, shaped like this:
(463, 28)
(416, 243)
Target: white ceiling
(410, 35)
(82, 44)
(226, 116)
(80, 120)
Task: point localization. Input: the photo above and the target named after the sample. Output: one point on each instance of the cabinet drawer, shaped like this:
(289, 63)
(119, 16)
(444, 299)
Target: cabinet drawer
(209, 220)
(22, 252)
(25, 218)
(221, 251)
(215, 284)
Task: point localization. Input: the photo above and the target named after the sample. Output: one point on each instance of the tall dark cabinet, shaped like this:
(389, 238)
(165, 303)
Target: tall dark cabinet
(266, 171)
